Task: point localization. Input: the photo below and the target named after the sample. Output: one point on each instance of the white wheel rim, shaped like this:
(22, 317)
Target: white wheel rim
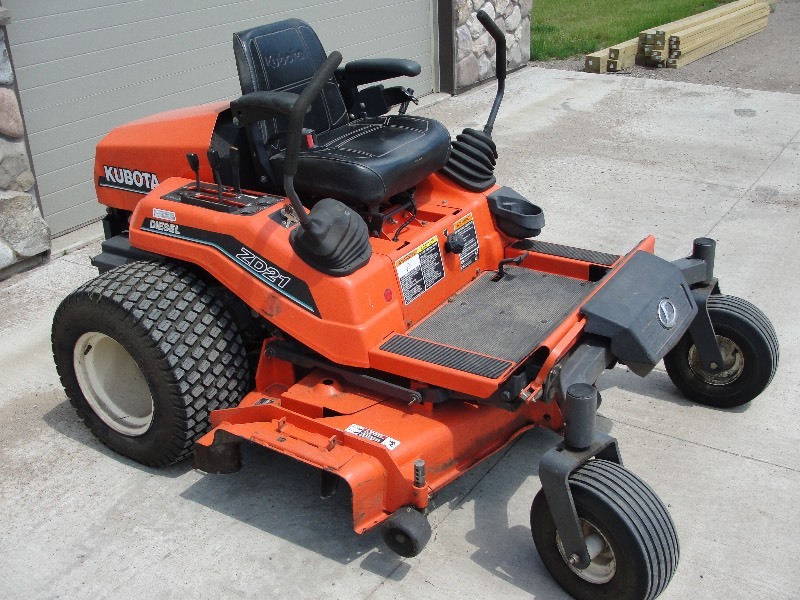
(603, 565)
(113, 384)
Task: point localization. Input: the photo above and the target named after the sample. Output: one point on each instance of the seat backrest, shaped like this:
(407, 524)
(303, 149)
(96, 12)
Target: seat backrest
(282, 57)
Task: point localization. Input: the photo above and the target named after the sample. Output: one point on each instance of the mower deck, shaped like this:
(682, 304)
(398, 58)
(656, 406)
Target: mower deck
(369, 441)
(372, 440)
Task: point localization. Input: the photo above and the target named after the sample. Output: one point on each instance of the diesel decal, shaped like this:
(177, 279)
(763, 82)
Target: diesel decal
(140, 182)
(285, 284)
(260, 266)
(170, 228)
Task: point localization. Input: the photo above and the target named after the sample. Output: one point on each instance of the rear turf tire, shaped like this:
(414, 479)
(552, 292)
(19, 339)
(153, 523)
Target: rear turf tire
(750, 349)
(145, 352)
(639, 543)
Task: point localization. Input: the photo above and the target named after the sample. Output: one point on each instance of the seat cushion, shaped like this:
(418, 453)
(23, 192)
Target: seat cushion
(370, 159)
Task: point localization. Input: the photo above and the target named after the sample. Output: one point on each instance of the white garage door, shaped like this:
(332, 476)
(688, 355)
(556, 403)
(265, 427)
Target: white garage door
(86, 66)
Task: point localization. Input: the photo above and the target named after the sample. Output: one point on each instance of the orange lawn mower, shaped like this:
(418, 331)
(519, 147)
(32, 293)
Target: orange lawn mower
(355, 291)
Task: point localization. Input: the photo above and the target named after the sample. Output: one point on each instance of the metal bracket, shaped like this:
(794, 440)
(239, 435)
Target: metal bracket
(698, 270)
(586, 363)
(289, 217)
(288, 353)
(329, 483)
(699, 267)
(554, 470)
(221, 457)
(702, 330)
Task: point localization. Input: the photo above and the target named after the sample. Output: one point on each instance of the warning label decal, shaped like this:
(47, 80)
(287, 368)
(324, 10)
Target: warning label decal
(420, 269)
(465, 226)
(373, 436)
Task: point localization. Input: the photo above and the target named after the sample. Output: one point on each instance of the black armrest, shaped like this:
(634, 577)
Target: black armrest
(370, 70)
(258, 106)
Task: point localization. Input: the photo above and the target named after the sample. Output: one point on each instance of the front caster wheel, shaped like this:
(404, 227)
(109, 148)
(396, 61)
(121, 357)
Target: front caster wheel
(406, 532)
(749, 349)
(629, 534)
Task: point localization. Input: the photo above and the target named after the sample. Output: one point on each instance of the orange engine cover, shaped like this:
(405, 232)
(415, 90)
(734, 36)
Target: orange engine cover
(133, 158)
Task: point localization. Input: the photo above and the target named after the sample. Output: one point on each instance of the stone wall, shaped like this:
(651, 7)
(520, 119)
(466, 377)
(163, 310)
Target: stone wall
(24, 236)
(475, 49)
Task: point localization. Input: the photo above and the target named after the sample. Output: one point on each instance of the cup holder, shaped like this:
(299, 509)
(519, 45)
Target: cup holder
(515, 215)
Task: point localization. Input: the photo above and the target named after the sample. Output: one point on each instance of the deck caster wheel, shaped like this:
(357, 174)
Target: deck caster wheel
(406, 532)
(145, 352)
(629, 534)
(749, 349)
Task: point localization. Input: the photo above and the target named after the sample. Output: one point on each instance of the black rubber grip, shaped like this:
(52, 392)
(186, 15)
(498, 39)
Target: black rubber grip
(307, 96)
(213, 159)
(499, 39)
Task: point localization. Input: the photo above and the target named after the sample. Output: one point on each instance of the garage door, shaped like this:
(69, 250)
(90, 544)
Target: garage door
(86, 66)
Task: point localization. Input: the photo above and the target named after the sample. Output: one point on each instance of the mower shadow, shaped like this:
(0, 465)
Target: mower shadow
(656, 385)
(281, 497)
(63, 419)
(505, 550)
(271, 492)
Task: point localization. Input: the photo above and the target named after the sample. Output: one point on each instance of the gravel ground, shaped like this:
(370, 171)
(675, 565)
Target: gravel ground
(765, 61)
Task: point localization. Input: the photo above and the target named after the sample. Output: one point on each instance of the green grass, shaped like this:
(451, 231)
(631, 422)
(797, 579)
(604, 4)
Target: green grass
(564, 28)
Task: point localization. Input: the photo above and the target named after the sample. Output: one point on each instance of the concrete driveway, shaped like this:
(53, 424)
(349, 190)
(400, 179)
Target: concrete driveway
(610, 159)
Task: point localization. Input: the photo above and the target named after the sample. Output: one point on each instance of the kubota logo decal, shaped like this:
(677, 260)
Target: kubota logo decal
(280, 60)
(129, 180)
(667, 314)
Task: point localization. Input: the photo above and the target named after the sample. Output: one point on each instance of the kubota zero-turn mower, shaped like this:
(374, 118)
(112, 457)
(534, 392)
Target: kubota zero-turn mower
(355, 291)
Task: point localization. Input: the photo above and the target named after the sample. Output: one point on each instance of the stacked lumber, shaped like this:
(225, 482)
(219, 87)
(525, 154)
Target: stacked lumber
(686, 40)
(622, 55)
(596, 62)
(693, 43)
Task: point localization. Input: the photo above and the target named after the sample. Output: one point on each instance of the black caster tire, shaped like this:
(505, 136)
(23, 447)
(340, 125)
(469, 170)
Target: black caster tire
(406, 532)
(635, 540)
(750, 349)
(145, 352)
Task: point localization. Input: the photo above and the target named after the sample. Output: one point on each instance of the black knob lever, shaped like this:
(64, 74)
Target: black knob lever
(194, 165)
(455, 243)
(213, 160)
(233, 158)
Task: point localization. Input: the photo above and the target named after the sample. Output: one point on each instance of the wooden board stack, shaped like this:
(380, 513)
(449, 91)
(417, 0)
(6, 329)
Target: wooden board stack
(686, 40)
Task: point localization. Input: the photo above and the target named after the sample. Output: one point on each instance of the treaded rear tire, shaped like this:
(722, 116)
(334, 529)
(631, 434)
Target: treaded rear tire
(632, 519)
(750, 330)
(183, 340)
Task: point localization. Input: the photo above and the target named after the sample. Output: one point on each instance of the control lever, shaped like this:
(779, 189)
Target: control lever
(501, 272)
(500, 66)
(213, 160)
(409, 93)
(233, 158)
(194, 165)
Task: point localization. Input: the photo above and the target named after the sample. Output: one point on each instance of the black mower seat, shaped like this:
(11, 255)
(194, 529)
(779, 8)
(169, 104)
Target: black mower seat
(370, 159)
(362, 161)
